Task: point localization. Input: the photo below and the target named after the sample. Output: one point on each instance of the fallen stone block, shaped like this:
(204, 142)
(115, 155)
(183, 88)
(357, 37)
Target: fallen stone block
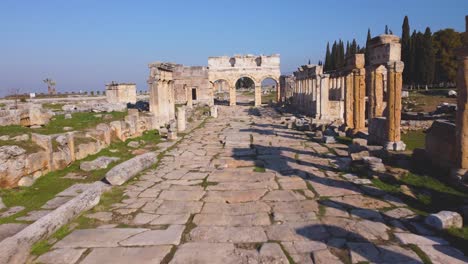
(99, 163)
(444, 220)
(374, 164)
(121, 173)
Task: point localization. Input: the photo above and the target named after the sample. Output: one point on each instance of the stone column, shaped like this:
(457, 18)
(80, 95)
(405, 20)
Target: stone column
(188, 93)
(214, 111)
(258, 94)
(278, 91)
(379, 91)
(462, 105)
(318, 95)
(349, 100)
(393, 119)
(171, 100)
(181, 122)
(232, 95)
(376, 87)
(359, 100)
(324, 93)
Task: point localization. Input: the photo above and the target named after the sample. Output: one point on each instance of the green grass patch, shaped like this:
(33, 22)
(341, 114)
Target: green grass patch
(53, 107)
(386, 186)
(425, 259)
(40, 247)
(430, 183)
(79, 121)
(14, 130)
(414, 139)
(459, 232)
(44, 246)
(344, 140)
(259, 169)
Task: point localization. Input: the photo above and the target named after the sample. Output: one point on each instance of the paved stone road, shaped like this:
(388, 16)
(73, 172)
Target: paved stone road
(207, 203)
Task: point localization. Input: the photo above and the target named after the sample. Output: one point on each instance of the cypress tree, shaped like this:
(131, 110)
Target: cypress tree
(347, 48)
(405, 50)
(366, 55)
(353, 47)
(327, 65)
(429, 57)
(412, 78)
(334, 56)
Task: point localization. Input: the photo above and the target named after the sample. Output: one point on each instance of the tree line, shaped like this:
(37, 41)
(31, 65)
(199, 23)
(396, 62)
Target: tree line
(429, 57)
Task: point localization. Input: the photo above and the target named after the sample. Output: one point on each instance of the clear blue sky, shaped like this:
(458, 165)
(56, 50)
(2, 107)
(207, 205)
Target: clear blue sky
(83, 44)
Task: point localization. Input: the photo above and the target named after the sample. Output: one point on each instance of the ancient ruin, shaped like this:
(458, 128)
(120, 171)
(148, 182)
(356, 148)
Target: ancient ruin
(319, 174)
(385, 57)
(256, 68)
(121, 93)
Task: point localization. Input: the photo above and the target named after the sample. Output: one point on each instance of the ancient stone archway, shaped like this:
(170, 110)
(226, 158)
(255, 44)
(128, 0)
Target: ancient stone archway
(254, 67)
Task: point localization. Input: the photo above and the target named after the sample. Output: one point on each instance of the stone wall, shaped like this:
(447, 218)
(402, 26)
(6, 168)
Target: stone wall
(191, 84)
(28, 115)
(18, 168)
(121, 93)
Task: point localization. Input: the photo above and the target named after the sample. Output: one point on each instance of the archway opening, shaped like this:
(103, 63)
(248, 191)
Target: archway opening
(245, 91)
(221, 92)
(269, 91)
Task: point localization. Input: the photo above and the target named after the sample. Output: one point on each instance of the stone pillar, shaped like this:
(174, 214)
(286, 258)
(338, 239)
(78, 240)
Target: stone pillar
(188, 93)
(214, 111)
(258, 95)
(324, 94)
(232, 95)
(171, 100)
(318, 95)
(379, 91)
(359, 100)
(181, 119)
(462, 105)
(393, 119)
(349, 100)
(278, 91)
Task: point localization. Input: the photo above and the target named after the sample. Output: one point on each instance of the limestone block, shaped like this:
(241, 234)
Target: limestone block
(99, 163)
(444, 220)
(121, 173)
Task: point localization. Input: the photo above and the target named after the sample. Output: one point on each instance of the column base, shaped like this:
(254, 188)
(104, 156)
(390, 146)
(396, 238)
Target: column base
(395, 146)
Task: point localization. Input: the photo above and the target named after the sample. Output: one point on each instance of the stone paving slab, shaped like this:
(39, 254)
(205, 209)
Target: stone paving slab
(125, 255)
(228, 234)
(61, 256)
(89, 238)
(171, 235)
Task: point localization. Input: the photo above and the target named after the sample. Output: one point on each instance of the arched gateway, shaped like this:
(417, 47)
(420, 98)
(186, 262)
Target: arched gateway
(256, 68)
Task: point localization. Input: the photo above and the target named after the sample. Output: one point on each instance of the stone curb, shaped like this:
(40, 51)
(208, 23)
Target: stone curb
(126, 170)
(15, 249)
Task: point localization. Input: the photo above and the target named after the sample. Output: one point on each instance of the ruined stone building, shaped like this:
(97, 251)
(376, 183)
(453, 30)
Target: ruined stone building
(341, 94)
(121, 93)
